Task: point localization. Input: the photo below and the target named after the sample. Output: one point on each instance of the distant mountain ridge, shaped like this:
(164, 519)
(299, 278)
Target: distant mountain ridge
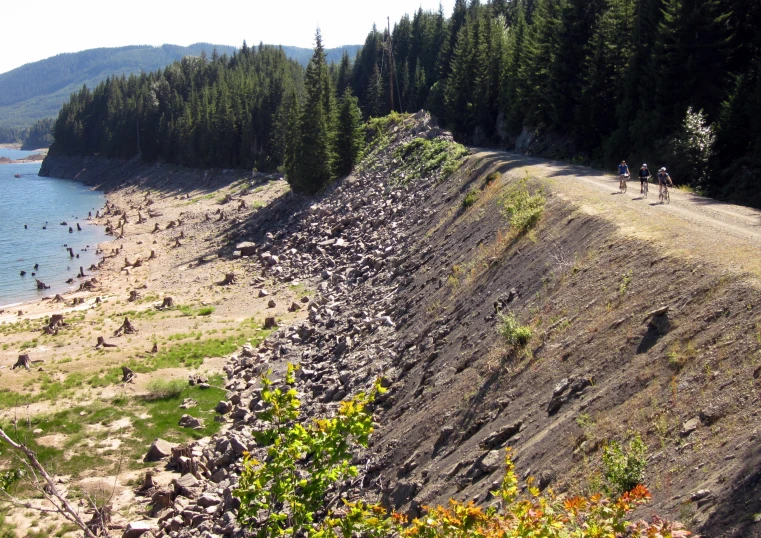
(37, 90)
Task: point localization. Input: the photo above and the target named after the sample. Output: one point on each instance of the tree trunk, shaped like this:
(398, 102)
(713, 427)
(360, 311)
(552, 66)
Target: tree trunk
(128, 376)
(102, 343)
(23, 362)
(126, 328)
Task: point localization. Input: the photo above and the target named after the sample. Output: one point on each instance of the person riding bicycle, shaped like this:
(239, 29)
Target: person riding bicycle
(644, 175)
(623, 173)
(664, 179)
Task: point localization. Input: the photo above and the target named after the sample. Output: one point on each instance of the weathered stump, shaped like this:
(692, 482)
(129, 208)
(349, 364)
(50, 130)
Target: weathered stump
(207, 217)
(140, 218)
(138, 263)
(41, 285)
(229, 279)
(71, 252)
(102, 343)
(242, 205)
(167, 303)
(101, 520)
(156, 228)
(128, 376)
(126, 328)
(79, 228)
(177, 243)
(170, 225)
(23, 362)
(270, 323)
(133, 295)
(153, 255)
(81, 272)
(58, 298)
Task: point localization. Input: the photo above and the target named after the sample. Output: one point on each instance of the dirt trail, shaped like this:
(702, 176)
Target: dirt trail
(698, 227)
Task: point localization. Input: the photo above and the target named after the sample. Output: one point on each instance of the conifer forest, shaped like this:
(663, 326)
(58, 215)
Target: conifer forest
(674, 83)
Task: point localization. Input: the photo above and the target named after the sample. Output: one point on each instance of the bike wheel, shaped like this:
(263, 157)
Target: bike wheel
(668, 197)
(645, 190)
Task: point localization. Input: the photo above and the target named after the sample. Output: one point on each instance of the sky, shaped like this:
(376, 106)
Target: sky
(45, 28)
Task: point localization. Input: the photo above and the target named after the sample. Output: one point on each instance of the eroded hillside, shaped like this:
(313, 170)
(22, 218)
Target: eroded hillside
(418, 258)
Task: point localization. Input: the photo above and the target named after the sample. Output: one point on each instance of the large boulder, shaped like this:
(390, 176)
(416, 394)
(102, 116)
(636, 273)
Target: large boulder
(137, 529)
(159, 450)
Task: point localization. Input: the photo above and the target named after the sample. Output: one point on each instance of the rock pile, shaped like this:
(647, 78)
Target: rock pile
(353, 241)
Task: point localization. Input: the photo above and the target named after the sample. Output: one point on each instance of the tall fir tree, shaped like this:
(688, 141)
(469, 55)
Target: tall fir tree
(349, 136)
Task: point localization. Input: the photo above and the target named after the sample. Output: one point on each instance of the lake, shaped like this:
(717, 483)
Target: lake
(42, 204)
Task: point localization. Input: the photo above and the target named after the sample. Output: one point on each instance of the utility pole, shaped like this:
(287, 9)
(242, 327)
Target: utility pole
(390, 64)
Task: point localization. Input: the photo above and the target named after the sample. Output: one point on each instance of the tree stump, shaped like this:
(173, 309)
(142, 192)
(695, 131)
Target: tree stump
(71, 252)
(41, 285)
(167, 303)
(23, 362)
(148, 484)
(138, 263)
(153, 255)
(126, 328)
(155, 348)
(270, 323)
(97, 300)
(221, 217)
(182, 234)
(93, 267)
(229, 279)
(179, 222)
(128, 376)
(177, 243)
(133, 295)
(102, 343)
(156, 228)
(170, 225)
(79, 228)
(242, 205)
(228, 198)
(87, 285)
(58, 298)
(126, 262)
(81, 272)
(140, 218)
(56, 320)
(207, 217)
(100, 521)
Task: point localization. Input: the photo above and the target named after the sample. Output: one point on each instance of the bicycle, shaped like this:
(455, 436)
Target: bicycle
(622, 183)
(664, 194)
(644, 188)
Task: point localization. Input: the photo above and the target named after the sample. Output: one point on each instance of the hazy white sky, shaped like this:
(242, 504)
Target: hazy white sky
(37, 30)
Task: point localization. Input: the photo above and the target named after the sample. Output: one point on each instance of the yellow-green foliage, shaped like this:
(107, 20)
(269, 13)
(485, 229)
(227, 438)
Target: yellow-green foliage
(420, 157)
(514, 334)
(521, 208)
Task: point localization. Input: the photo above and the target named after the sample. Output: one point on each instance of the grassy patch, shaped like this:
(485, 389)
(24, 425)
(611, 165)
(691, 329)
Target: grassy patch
(421, 157)
(160, 389)
(206, 311)
(514, 334)
(521, 208)
(470, 199)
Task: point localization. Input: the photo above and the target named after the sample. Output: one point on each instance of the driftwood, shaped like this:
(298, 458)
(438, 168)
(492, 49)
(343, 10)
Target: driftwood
(229, 279)
(128, 376)
(126, 328)
(23, 362)
(102, 343)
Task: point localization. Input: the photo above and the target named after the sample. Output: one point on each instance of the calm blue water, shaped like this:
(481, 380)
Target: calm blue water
(33, 200)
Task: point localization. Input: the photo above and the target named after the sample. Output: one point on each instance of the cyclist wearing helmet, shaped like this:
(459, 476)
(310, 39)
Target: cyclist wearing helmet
(623, 173)
(663, 179)
(644, 175)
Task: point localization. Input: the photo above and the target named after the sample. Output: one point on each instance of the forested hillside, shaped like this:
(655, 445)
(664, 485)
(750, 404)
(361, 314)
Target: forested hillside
(37, 90)
(672, 82)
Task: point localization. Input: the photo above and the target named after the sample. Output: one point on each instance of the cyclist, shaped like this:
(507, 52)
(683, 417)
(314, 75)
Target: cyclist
(623, 173)
(664, 180)
(644, 175)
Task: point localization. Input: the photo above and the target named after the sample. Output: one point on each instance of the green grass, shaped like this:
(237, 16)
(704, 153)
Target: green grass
(160, 389)
(84, 424)
(521, 208)
(206, 311)
(514, 334)
(421, 157)
(470, 199)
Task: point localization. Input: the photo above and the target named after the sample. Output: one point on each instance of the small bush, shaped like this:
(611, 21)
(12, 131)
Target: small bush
(521, 208)
(206, 311)
(494, 176)
(515, 335)
(160, 389)
(625, 469)
(470, 199)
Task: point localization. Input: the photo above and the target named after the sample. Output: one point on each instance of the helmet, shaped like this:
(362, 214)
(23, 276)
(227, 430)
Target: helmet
(644, 165)
(663, 169)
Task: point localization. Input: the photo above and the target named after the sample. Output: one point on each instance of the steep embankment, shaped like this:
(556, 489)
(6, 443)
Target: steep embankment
(414, 272)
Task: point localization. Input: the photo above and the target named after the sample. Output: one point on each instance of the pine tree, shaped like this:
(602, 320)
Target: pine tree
(349, 137)
(313, 156)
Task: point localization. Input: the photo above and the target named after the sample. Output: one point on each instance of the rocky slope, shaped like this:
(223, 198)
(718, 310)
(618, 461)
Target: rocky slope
(411, 283)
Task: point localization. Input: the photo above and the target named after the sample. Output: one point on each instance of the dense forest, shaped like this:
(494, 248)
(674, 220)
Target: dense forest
(39, 135)
(673, 82)
(37, 90)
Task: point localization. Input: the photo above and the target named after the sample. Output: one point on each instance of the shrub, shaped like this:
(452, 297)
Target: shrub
(470, 199)
(160, 389)
(625, 469)
(521, 208)
(206, 311)
(514, 334)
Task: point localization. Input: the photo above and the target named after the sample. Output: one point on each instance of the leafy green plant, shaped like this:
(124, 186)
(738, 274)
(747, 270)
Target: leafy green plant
(516, 516)
(513, 333)
(470, 199)
(521, 208)
(626, 279)
(206, 311)
(303, 460)
(625, 469)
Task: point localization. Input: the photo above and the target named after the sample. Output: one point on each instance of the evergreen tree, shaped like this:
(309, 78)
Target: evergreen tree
(349, 138)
